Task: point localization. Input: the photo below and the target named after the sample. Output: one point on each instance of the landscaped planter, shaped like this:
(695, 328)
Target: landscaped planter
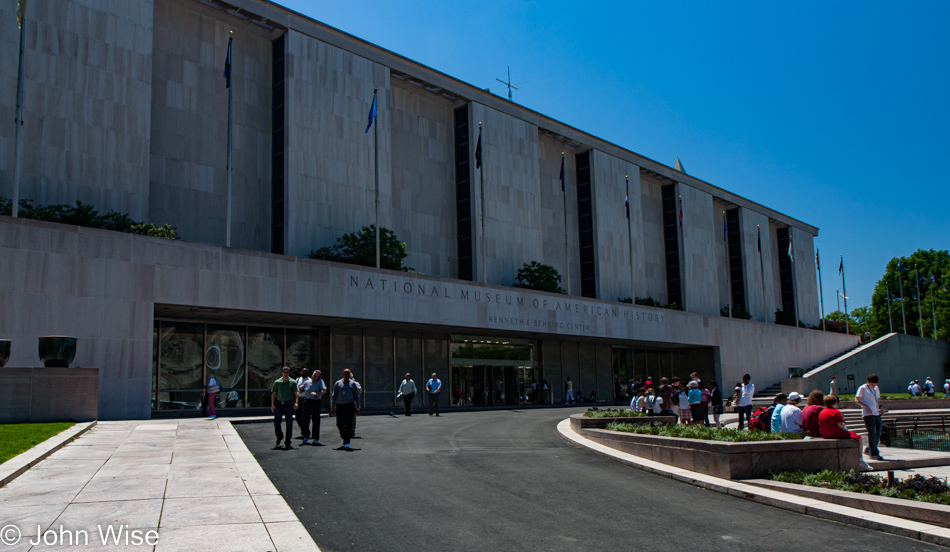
(925, 512)
(734, 460)
(580, 421)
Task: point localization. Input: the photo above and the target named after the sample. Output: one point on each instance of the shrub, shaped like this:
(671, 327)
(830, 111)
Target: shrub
(738, 311)
(703, 432)
(359, 248)
(539, 277)
(83, 214)
(923, 489)
(608, 413)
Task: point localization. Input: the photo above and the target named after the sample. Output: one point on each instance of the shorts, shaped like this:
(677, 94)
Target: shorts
(685, 415)
(717, 409)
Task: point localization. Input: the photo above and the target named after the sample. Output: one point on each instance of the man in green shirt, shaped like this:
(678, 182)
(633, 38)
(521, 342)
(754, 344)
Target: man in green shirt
(283, 402)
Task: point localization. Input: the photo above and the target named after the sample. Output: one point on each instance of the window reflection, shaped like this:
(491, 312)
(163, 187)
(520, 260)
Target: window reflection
(182, 358)
(224, 360)
(265, 357)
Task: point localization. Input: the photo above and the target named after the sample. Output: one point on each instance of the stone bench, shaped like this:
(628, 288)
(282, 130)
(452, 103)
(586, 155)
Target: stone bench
(734, 460)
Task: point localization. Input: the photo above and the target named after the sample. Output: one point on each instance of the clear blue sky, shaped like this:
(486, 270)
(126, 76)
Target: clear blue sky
(833, 113)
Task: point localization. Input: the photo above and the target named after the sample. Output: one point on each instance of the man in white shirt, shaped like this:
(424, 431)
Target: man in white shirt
(744, 406)
(791, 415)
(869, 398)
(303, 391)
(407, 390)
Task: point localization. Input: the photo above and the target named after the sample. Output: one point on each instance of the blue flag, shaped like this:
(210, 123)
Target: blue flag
(227, 63)
(372, 114)
(723, 227)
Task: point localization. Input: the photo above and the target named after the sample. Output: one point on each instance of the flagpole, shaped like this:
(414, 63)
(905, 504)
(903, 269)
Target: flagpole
(900, 283)
(481, 177)
(376, 170)
(821, 293)
(758, 232)
(633, 294)
(920, 315)
(890, 323)
(18, 121)
(728, 264)
(791, 256)
(838, 299)
(227, 238)
(567, 250)
(933, 311)
(844, 292)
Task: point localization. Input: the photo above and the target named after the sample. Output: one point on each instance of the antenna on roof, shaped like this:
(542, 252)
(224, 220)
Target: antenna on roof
(508, 84)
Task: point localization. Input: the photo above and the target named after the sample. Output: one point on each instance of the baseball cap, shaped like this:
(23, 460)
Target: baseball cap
(793, 396)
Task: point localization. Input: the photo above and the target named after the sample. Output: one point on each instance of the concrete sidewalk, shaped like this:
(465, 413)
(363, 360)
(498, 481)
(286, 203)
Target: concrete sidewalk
(194, 481)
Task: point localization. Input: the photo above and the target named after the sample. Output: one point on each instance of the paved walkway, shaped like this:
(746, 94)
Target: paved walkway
(505, 480)
(192, 480)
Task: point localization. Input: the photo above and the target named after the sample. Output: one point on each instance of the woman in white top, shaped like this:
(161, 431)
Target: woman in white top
(212, 389)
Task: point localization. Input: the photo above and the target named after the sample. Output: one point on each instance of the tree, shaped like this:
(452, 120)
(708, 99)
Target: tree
(540, 277)
(857, 321)
(359, 248)
(927, 262)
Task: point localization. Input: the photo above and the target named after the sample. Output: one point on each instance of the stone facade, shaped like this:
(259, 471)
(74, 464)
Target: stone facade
(126, 109)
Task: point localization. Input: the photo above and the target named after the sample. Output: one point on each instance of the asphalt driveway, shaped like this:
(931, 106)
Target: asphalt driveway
(505, 480)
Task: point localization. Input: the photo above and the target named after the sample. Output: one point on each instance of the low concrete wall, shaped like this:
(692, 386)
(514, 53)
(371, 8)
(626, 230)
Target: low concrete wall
(895, 358)
(735, 460)
(925, 512)
(33, 395)
(902, 404)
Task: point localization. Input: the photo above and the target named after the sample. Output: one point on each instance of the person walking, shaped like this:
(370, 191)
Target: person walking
(869, 397)
(833, 387)
(744, 406)
(568, 391)
(311, 405)
(300, 415)
(345, 403)
(929, 387)
(212, 388)
(434, 389)
(283, 402)
(407, 390)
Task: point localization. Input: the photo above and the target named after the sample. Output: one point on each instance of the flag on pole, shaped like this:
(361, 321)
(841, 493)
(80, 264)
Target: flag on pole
(478, 150)
(372, 115)
(817, 262)
(227, 62)
(723, 226)
(681, 212)
(790, 256)
(841, 265)
(20, 13)
(626, 204)
(758, 238)
(562, 174)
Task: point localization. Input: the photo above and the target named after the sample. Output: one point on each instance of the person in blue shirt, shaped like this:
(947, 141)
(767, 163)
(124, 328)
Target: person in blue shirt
(776, 421)
(434, 388)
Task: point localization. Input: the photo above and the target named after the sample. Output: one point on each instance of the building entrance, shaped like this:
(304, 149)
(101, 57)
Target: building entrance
(493, 372)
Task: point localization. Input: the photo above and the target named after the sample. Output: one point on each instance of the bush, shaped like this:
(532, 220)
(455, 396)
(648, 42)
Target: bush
(787, 318)
(703, 432)
(738, 311)
(608, 413)
(359, 248)
(649, 302)
(86, 215)
(539, 277)
(923, 489)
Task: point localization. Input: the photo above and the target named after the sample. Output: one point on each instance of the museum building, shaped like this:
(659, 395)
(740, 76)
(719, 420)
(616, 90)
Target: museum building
(125, 109)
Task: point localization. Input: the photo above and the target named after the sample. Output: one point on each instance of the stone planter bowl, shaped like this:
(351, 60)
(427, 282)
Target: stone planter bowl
(57, 351)
(4, 352)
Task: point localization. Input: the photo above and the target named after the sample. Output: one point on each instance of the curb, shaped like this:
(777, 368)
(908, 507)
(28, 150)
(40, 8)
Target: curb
(808, 506)
(19, 464)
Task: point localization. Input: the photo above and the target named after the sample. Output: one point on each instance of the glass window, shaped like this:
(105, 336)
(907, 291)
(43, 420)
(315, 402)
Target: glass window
(224, 358)
(182, 360)
(265, 357)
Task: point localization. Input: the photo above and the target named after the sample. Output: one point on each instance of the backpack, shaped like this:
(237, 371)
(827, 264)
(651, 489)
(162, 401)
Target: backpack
(761, 419)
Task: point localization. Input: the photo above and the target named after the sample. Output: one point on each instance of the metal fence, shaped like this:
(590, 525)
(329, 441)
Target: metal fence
(933, 436)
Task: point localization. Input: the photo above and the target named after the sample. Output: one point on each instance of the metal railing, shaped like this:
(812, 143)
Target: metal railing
(924, 435)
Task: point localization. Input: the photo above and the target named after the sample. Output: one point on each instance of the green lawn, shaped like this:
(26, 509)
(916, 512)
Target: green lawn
(17, 438)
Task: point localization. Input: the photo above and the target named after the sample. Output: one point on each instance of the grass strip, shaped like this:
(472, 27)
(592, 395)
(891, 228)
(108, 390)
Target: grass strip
(18, 438)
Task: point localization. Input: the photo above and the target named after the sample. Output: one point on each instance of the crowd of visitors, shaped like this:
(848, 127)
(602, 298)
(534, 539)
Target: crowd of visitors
(691, 401)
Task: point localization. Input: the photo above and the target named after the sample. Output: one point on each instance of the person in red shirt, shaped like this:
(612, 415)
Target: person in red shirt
(831, 423)
(816, 403)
